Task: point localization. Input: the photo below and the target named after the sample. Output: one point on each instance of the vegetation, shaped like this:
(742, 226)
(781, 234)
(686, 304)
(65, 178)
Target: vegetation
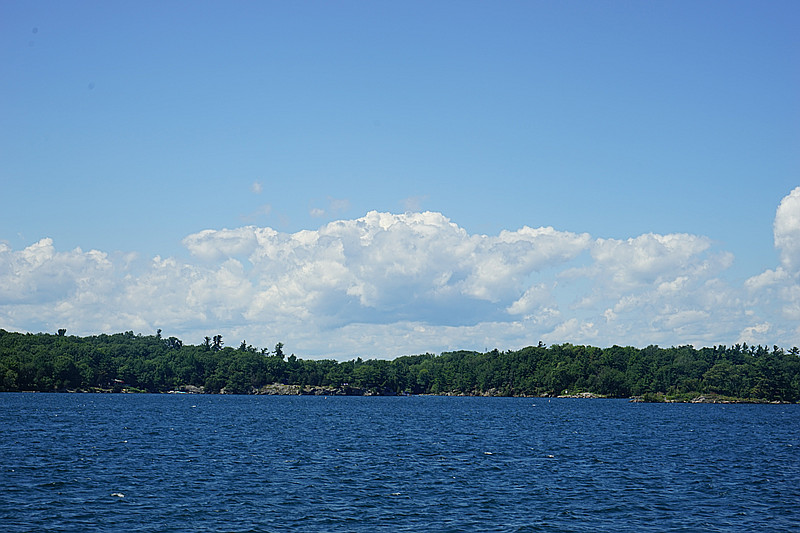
(46, 362)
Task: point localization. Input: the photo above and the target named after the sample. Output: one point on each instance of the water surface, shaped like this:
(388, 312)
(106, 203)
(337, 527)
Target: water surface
(83, 462)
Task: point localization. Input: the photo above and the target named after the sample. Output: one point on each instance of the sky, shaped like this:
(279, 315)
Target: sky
(375, 179)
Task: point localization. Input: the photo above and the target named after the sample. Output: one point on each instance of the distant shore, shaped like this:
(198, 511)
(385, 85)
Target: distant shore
(152, 363)
(280, 389)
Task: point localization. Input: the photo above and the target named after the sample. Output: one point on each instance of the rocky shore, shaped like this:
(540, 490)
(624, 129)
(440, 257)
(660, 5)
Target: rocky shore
(702, 399)
(280, 389)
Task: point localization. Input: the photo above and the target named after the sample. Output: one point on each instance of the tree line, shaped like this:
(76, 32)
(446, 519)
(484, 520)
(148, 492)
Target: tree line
(153, 363)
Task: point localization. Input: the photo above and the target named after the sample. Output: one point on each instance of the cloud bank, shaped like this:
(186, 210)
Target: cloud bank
(391, 284)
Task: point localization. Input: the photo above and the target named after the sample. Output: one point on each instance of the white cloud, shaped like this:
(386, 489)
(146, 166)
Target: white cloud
(387, 264)
(39, 274)
(256, 187)
(213, 244)
(774, 295)
(766, 279)
(389, 284)
(655, 289)
(579, 331)
(534, 298)
(756, 334)
(787, 231)
(647, 259)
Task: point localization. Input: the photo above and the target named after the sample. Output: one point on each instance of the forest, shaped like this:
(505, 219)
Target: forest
(128, 362)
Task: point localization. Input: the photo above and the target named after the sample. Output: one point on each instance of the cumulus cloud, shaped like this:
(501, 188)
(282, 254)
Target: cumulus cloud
(787, 231)
(39, 273)
(389, 284)
(388, 265)
(648, 259)
(774, 295)
(537, 298)
(656, 289)
(214, 244)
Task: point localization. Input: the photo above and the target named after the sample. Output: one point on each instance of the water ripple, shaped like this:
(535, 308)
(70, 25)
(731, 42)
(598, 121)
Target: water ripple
(147, 463)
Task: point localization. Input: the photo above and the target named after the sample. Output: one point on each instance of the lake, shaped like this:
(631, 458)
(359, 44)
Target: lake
(125, 462)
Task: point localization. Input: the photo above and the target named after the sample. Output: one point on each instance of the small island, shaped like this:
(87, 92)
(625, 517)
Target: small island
(128, 362)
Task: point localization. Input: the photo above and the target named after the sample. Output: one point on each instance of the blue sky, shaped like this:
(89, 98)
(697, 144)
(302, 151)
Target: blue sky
(127, 129)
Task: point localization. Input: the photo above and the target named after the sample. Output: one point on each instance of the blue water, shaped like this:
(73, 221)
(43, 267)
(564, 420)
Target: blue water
(81, 462)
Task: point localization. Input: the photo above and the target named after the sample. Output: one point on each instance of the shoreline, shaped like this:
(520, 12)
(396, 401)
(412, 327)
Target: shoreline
(277, 389)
